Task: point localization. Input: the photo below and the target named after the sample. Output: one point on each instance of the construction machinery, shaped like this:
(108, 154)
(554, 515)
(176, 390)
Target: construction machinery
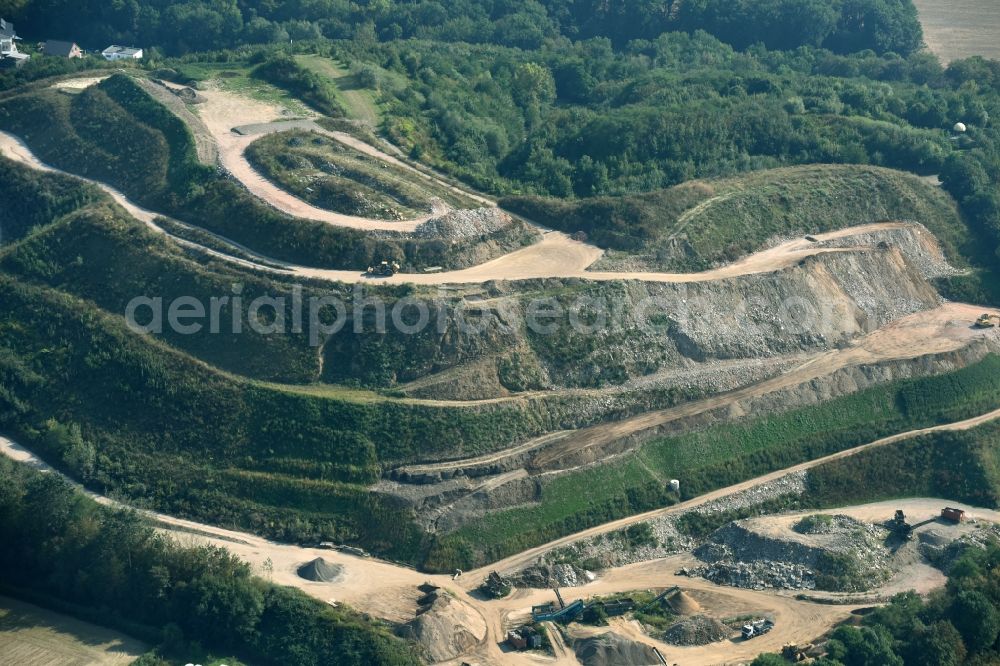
(756, 628)
(795, 653)
(986, 320)
(384, 269)
(562, 613)
(900, 527)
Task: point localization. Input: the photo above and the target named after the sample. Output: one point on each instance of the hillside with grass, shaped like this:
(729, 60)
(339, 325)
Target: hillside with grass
(703, 223)
(725, 454)
(116, 133)
(331, 175)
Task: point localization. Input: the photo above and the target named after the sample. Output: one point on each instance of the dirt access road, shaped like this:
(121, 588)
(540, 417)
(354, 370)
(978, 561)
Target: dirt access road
(920, 507)
(222, 111)
(389, 591)
(555, 256)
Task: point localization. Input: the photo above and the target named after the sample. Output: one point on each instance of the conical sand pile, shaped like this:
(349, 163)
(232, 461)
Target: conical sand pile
(320, 570)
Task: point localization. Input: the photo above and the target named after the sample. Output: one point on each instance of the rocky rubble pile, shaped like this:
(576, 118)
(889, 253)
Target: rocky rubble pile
(847, 556)
(793, 484)
(612, 551)
(543, 576)
(915, 243)
(458, 224)
(759, 575)
(943, 551)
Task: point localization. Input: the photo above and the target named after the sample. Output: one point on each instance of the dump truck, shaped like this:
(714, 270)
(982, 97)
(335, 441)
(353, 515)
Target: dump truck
(756, 628)
(986, 320)
(384, 269)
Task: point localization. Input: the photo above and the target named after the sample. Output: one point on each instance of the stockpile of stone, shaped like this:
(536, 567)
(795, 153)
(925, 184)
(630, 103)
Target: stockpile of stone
(762, 553)
(759, 575)
(459, 224)
(543, 576)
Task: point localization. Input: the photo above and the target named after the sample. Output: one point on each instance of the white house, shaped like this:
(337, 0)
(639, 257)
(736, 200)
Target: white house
(7, 37)
(9, 55)
(122, 53)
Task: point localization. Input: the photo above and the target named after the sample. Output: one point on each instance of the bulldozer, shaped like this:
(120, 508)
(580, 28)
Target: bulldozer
(795, 653)
(384, 269)
(986, 320)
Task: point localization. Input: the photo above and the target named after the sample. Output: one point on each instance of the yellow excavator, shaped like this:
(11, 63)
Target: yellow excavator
(986, 320)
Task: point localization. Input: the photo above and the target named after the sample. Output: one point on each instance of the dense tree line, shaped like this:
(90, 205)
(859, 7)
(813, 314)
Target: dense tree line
(957, 625)
(180, 26)
(586, 120)
(63, 548)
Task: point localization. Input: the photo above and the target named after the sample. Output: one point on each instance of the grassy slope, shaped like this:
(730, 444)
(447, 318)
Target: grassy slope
(116, 133)
(720, 456)
(284, 463)
(725, 219)
(954, 465)
(331, 175)
(359, 103)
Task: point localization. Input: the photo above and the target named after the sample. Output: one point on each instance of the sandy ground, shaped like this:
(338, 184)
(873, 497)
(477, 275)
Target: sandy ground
(961, 28)
(78, 84)
(33, 636)
(389, 591)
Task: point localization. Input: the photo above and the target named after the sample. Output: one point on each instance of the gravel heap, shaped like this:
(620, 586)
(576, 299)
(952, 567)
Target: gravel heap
(542, 576)
(697, 630)
(684, 604)
(459, 224)
(612, 650)
(320, 571)
(446, 628)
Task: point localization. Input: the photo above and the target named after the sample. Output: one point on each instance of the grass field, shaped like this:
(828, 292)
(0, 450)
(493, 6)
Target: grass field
(236, 77)
(961, 28)
(33, 636)
(359, 102)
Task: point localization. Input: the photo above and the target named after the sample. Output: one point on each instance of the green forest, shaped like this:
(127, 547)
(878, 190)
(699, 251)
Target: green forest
(109, 565)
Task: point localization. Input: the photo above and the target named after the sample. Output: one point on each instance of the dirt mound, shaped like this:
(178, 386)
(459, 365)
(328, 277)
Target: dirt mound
(320, 570)
(446, 628)
(697, 630)
(684, 604)
(610, 650)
